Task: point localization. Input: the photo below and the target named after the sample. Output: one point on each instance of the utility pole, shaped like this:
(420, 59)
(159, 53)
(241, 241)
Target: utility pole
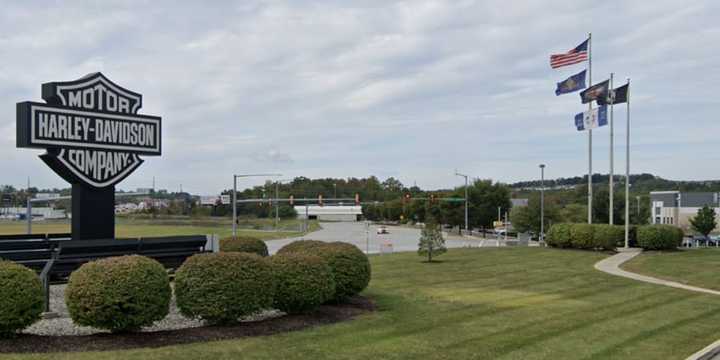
(542, 203)
(612, 154)
(234, 198)
(466, 199)
(28, 208)
(277, 205)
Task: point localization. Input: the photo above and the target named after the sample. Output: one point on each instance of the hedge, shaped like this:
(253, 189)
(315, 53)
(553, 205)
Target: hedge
(581, 236)
(244, 244)
(585, 236)
(21, 298)
(223, 287)
(303, 281)
(607, 236)
(659, 237)
(350, 268)
(559, 236)
(119, 293)
(301, 245)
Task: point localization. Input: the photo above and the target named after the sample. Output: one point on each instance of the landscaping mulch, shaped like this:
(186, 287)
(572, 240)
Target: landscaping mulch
(326, 314)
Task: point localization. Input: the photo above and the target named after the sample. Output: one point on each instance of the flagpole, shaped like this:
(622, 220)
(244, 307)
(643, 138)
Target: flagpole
(627, 167)
(590, 190)
(612, 146)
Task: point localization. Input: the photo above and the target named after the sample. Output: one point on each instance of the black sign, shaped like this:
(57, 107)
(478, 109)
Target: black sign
(91, 130)
(93, 136)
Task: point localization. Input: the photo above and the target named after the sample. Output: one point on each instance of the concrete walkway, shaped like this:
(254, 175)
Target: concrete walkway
(611, 266)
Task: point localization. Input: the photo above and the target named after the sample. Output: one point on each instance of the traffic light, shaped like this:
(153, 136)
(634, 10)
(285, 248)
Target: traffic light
(292, 200)
(406, 198)
(320, 200)
(357, 199)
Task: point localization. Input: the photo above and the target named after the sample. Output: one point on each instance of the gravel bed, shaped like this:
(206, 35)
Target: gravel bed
(62, 324)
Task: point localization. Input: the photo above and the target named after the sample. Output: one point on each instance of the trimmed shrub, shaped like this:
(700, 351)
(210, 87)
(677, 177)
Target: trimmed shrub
(223, 287)
(301, 245)
(21, 298)
(559, 235)
(659, 237)
(244, 244)
(119, 293)
(303, 281)
(581, 236)
(350, 268)
(606, 236)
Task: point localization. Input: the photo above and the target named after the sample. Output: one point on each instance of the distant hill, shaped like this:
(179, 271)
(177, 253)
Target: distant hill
(641, 183)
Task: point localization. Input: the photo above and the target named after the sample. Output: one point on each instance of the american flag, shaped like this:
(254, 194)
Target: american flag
(574, 56)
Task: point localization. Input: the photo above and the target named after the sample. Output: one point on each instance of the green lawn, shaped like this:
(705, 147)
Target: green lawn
(165, 227)
(698, 267)
(506, 303)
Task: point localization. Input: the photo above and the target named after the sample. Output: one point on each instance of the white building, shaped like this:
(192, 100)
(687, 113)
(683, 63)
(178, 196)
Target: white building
(329, 213)
(676, 208)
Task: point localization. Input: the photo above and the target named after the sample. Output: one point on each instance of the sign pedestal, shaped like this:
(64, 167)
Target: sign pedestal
(93, 212)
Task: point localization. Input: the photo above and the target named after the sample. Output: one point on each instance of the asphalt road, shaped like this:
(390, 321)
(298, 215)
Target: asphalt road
(401, 238)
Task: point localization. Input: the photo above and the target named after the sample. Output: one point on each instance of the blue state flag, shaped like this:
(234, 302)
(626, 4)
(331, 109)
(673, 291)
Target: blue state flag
(571, 84)
(591, 119)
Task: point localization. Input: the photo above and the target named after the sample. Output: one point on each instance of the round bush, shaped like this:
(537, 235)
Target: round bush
(223, 287)
(301, 245)
(21, 298)
(659, 237)
(559, 236)
(119, 293)
(350, 268)
(581, 236)
(244, 244)
(606, 236)
(303, 281)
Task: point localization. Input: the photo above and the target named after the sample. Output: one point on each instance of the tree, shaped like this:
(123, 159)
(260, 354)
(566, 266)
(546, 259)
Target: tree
(527, 218)
(431, 241)
(573, 213)
(484, 198)
(601, 206)
(704, 222)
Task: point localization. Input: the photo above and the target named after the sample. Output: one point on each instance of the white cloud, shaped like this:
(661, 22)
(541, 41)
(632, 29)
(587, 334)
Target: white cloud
(411, 89)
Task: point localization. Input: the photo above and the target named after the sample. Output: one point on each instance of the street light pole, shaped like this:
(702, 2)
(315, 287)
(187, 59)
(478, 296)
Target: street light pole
(542, 203)
(234, 197)
(466, 199)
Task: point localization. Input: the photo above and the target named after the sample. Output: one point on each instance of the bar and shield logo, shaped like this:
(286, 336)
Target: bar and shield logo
(90, 129)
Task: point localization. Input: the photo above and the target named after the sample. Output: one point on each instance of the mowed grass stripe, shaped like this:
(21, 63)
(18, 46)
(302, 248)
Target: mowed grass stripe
(523, 303)
(696, 267)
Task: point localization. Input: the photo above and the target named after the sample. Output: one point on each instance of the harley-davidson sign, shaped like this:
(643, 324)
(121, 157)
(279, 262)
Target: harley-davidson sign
(90, 128)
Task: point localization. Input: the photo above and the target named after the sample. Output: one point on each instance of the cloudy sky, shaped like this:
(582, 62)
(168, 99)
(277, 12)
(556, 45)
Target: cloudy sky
(410, 89)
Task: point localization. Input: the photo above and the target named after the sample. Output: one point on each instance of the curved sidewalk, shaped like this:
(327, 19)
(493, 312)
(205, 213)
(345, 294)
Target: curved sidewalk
(611, 266)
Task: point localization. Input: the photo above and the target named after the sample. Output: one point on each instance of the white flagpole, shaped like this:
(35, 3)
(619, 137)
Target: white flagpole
(612, 146)
(590, 190)
(627, 168)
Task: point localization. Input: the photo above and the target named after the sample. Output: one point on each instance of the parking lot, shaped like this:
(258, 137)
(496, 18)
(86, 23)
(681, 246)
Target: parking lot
(366, 238)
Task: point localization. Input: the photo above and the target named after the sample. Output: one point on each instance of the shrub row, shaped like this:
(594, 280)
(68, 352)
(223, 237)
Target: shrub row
(659, 237)
(349, 265)
(244, 244)
(21, 298)
(585, 236)
(121, 293)
(129, 292)
(604, 236)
